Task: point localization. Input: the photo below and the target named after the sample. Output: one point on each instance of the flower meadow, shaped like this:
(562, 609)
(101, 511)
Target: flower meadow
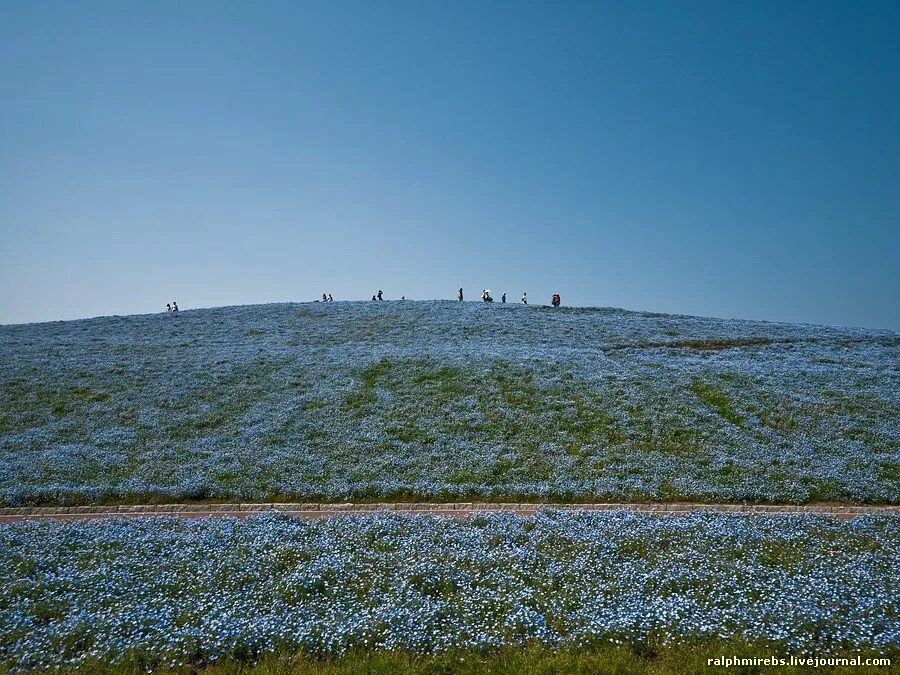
(194, 591)
(445, 401)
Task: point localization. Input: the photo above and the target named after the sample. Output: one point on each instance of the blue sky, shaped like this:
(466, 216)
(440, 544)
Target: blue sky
(736, 159)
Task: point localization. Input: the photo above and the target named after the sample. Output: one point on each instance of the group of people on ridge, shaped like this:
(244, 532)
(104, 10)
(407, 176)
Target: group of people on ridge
(326, 297)
(486, 296)
(556, 300)
(377, 297)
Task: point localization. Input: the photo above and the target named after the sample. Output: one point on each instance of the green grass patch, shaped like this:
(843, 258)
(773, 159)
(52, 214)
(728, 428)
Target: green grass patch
(365, 396)
(717, 345)
(716, 398)
(25, 404)
(220, 404)
(599, 658)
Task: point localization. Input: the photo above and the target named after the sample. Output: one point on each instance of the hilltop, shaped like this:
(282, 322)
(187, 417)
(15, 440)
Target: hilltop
(447, 401)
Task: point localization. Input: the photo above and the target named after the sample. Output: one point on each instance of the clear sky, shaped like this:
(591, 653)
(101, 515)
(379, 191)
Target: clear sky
(736, 159)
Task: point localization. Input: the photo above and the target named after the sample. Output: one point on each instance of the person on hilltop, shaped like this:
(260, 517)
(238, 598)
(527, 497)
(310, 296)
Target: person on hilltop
(168, 307)
(503, 298)
(555, 300)
(486, 296)
(324, 297)
(374, 298)
(330, 299)
(524, 298)
(460, 295)
(174, 306)
(379, 295)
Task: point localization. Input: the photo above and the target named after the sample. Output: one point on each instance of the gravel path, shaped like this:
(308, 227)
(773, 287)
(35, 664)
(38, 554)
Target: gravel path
(320, 510)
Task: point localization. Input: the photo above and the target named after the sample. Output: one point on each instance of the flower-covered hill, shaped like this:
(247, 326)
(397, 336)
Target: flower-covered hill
(445, 400)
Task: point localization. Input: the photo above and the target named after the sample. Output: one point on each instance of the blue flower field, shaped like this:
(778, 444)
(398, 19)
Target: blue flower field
(178, 591)
(445, 401)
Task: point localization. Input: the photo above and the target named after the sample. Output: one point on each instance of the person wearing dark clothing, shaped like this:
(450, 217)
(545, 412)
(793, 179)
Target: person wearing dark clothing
(379, 296)
(174, 306)
(460, 295)
(374, 298)
(330, 299)
(556, 301)
(168, 307)
(324, 297)
(503, 298)
(524, 298)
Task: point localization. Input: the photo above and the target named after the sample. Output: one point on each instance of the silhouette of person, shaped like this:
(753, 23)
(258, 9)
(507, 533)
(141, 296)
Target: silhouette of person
(168, 307)
(524, 298)
(330, 299)
(503, 298)
(174, 306)
(324, 297)
(460, 295)
(379, 296)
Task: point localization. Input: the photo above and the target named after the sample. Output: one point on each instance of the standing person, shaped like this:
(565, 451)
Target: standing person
(524, 298)
(174, 306)
(460, 295)
(503, 298)
(168, 307)
(330, 299)
(379, 295)
(324, 297)
(555, 300)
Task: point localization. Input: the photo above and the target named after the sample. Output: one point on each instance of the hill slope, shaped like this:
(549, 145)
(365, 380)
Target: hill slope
(445, 400)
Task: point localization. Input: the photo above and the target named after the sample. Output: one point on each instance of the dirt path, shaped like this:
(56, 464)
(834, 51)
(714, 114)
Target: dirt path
(318, 510)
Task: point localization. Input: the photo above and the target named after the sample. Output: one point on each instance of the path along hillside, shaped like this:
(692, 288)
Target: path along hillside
(445, 401)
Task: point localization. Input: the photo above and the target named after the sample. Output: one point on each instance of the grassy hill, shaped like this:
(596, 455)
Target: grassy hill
(445, 400)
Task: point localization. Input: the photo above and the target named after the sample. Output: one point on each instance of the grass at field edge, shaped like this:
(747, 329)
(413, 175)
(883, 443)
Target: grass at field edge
(411, 498)
(532, 659)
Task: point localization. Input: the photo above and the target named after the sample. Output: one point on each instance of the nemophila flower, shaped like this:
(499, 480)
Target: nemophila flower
(446, 401)
(183, 590)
